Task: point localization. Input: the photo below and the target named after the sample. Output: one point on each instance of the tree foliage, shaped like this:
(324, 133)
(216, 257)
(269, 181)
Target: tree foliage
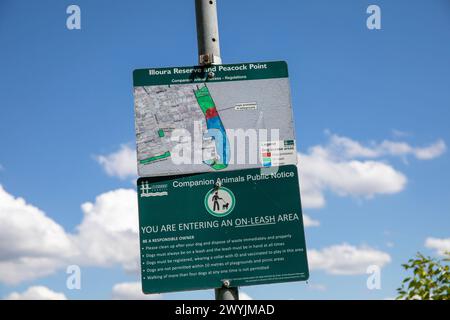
(430, 279)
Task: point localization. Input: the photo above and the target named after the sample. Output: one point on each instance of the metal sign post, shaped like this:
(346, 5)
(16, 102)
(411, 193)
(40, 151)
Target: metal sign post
(209, 53)
(207, 32)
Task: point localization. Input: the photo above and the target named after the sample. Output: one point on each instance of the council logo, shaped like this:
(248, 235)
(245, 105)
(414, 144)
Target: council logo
(219, 201)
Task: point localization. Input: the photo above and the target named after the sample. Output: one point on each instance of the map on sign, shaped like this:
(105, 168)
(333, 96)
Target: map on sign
(197, 231)
(225, 117)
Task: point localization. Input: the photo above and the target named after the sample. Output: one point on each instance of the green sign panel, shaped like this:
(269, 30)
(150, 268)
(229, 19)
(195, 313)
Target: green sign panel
(199, 230)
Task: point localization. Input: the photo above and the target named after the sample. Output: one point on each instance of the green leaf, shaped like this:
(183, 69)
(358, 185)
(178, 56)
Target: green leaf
(406, 279)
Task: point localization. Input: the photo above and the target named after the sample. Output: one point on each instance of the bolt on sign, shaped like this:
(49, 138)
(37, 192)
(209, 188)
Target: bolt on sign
(239, 227)
(209, 119)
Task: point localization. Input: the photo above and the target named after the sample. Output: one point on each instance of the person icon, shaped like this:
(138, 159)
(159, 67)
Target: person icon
(216, 199)
(219, 201)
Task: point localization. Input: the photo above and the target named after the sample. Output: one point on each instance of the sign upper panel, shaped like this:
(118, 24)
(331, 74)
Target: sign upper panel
(223, 117)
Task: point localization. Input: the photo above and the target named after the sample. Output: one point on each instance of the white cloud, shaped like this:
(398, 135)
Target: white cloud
(121, 164)
(310, 222)
(37, 293)
(14, 271)
(31, 244)
(311, 192)
(440, 245)
(349, 168)
(343, 147)
(345, 259)
(21, 224)
(108, 234)
(319, 172)
(244, 296)
(132, 291)
(432, 151)
(400, 134)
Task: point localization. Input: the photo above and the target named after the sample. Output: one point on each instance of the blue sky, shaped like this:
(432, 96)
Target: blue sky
(377, 101)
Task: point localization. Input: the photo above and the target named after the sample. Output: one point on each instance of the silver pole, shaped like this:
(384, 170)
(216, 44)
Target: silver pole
(209, 53)
(207, 32)
(224, 293)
